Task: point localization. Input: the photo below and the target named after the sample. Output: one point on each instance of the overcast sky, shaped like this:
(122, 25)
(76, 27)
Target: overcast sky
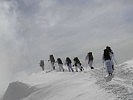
(30, 30)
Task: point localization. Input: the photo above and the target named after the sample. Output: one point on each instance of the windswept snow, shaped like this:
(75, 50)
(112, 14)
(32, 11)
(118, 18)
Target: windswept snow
(122, 83)
(62, 86)
(86, 85)
(17, 91)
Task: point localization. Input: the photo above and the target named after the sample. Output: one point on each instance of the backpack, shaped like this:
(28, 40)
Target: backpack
(90, 56)
(106, 55)
(77, 61)
(68, 60)
(41, 63)
(59, 61)
(109, 49)
(52, 58)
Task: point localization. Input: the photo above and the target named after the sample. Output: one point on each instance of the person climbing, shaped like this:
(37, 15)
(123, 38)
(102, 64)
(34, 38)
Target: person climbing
(77, 64)
(42, 64)
(68, 62)
(89, 59)
(107, 61)
(112, 56)
(60, 64)
(52, 60)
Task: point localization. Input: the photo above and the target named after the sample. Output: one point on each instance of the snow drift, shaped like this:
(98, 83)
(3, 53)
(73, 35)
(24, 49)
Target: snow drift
(57, 85)
(17, 91)
(122, 83)
(89, 84)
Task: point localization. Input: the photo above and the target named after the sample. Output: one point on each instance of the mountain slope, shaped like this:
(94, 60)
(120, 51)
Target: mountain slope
(122, 83)
(64, 86)
(89, 84)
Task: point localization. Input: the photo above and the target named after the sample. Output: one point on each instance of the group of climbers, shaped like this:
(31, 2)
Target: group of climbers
(76, 63)
(108, 60)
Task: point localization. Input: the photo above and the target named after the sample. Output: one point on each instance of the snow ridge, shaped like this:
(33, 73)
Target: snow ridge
(89, 84)
(17, 91)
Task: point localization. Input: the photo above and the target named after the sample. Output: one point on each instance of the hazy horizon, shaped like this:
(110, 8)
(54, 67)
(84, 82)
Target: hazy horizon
(31, 30)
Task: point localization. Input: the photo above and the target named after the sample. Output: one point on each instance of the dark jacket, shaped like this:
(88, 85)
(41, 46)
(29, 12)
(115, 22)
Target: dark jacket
(68, 61)
(42, 63)
(106, 55)
(76, 60)
(59, 61)
(51, 58)
(90, 56)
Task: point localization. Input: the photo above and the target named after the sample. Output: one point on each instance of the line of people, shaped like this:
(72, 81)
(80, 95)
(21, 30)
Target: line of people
(76, 63)
(108, 60)
(68, 62)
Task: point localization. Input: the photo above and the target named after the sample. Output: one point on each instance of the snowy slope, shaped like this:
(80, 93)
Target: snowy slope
(17, 90)
(87, 85)
(63, 86)
(122, 83)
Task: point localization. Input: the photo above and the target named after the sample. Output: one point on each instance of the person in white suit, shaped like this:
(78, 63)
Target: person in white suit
(107, 61)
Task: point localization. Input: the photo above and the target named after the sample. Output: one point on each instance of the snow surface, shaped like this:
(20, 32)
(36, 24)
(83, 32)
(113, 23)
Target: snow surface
(86, 85)
(59, 86)
(17, 90)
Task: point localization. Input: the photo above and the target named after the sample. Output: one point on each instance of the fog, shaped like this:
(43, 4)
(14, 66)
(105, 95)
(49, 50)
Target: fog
(30, 30)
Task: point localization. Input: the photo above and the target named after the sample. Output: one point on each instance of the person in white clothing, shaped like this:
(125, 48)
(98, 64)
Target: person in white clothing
(77, 64)
(113, 60)
(108, 62)
(42, 64)
(60, 64)
(89, 59)
(52, 60)
(69, 64)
